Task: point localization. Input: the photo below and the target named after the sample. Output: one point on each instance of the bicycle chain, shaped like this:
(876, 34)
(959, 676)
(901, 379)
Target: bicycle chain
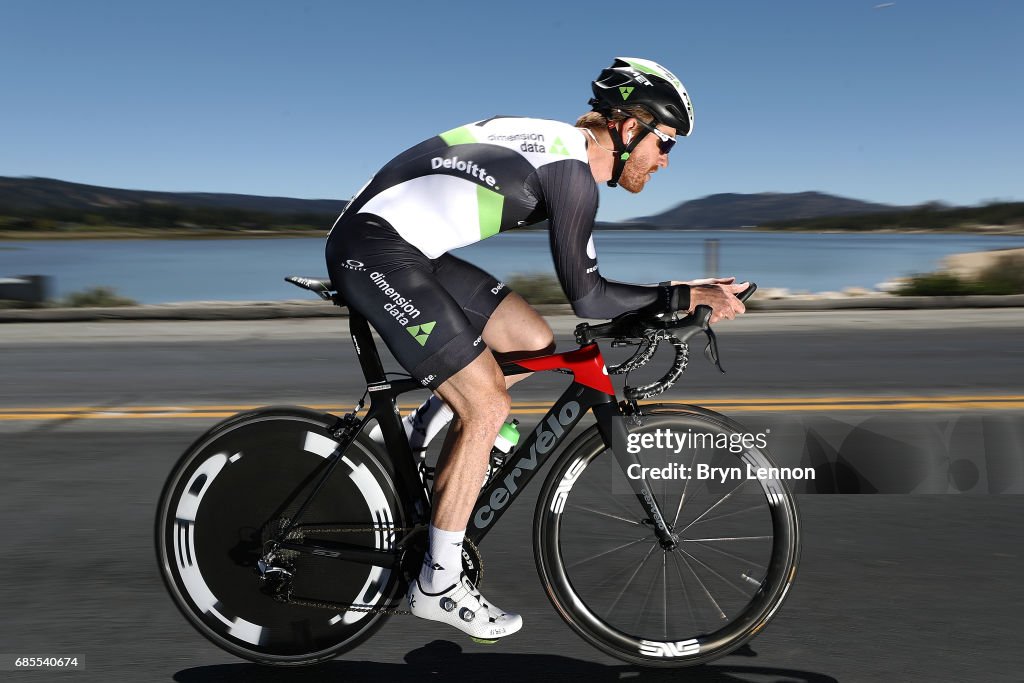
(301, 602)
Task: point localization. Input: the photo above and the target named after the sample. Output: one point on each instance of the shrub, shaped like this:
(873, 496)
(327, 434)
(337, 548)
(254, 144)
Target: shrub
(1005, 276)
(96, 297)
(538, 288)
(934, 284)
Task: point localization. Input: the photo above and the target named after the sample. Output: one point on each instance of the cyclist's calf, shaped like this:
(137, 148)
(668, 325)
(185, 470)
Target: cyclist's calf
(478, 396)
(480, 404)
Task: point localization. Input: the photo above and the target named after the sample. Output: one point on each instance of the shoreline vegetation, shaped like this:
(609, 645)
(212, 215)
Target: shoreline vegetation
(129, 233)
(171, 221)
(997, 272)
(991, 217)
(46, 208)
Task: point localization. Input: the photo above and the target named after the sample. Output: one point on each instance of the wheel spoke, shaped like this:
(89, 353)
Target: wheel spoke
(758, 506)
(720, 501)
(630, 579)
(738, 589)
(686, 593)
(710, 597)
(682, 497)
(664, 593)
(726, 553)
(647, 598)
(594, 538)
(602, 554)
(725, 538)
(602, 494)
(606, 514)
(611, 578)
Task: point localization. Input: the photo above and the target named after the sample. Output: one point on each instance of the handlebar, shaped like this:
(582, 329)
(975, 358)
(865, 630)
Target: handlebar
(647, 329)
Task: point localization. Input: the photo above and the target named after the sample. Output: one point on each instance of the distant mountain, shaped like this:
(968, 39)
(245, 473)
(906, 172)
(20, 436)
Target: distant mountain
(30, 194)
(738, 210)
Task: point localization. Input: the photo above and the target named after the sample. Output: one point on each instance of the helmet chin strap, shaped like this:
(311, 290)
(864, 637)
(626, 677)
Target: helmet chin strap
(622, 152)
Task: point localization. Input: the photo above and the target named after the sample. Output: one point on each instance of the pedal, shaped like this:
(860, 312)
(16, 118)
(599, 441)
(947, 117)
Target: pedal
(483, 641)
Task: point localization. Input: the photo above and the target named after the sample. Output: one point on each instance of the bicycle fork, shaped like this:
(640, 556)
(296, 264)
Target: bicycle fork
(611, 423)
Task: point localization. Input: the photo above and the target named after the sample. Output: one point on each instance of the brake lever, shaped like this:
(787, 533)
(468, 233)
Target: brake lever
(703, 315)
(711, 350)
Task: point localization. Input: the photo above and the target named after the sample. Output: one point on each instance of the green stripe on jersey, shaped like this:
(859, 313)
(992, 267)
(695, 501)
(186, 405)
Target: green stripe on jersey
(489, 205)
(458, 136)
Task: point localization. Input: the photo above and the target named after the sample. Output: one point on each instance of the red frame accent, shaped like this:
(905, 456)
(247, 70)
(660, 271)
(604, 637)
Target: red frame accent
(586, 364)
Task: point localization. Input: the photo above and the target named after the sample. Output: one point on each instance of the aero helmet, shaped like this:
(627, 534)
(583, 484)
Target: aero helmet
(631, 81)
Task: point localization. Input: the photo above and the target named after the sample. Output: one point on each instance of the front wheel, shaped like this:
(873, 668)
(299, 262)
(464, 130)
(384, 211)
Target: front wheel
(734, 553)
(227, 497)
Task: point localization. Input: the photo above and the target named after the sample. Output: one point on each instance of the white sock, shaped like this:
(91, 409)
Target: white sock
(422, 424)
(443, 562)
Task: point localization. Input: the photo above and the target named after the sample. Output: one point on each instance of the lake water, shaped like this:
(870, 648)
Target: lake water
(160, 271)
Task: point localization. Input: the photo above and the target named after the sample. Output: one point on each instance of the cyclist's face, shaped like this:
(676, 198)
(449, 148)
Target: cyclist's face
(645, 159)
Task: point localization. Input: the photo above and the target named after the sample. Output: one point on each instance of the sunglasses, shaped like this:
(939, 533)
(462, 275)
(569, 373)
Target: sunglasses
(665, 141)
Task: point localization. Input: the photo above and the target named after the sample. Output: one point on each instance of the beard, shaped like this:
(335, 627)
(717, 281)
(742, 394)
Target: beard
(635, 173)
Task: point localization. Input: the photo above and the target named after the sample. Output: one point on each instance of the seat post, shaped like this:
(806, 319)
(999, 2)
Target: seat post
(366, 349)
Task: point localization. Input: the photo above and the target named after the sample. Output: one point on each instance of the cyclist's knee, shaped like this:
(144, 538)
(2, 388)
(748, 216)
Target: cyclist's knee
(477, 395)
(487, 412)
(537, 337)
(543, 342)
(516, 327)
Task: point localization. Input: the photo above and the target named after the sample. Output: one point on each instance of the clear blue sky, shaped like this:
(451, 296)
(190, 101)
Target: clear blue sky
(916, 101)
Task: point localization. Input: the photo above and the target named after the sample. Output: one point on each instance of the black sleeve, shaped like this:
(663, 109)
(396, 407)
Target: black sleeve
(569, 195)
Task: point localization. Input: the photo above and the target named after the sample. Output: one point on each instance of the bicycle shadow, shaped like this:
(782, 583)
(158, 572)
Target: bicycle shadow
(445, 658)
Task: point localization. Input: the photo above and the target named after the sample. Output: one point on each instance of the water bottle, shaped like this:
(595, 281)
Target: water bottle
(507, 439)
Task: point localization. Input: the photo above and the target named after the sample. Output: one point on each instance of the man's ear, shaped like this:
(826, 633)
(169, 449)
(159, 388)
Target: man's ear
(629, 127)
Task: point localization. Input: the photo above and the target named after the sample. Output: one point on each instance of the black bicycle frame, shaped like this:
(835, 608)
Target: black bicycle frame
(514, 475)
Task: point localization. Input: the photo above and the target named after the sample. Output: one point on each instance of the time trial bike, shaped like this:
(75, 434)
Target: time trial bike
(287, 536)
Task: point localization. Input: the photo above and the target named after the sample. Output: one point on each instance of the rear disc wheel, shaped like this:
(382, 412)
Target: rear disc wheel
(229, 494)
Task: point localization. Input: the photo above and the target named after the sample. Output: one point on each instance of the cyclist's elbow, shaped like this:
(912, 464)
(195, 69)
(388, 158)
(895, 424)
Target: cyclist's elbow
(595, 304)
(588, 309)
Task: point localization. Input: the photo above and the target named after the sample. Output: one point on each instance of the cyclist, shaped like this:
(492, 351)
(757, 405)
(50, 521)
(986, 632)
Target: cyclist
(445, 320)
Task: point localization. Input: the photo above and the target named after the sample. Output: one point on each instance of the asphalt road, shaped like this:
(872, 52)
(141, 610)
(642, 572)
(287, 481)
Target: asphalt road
(311, 361)
(908, 587)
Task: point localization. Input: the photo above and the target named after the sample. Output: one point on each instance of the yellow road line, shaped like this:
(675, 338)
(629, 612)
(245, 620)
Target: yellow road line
(859, 399)
(542, 406)
(763, 404)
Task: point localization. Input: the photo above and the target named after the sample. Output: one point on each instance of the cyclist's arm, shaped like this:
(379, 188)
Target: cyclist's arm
(569, 194)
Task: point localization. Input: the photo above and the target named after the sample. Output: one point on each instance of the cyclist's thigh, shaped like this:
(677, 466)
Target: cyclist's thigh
(476, 290)
(394, 286)
(507, 321)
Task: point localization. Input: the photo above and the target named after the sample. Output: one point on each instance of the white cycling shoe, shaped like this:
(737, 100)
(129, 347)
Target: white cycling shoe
(462, 606)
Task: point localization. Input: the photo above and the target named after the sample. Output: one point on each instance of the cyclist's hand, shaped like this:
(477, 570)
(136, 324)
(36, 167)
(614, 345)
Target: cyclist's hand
(706, 281)
(720, 296)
